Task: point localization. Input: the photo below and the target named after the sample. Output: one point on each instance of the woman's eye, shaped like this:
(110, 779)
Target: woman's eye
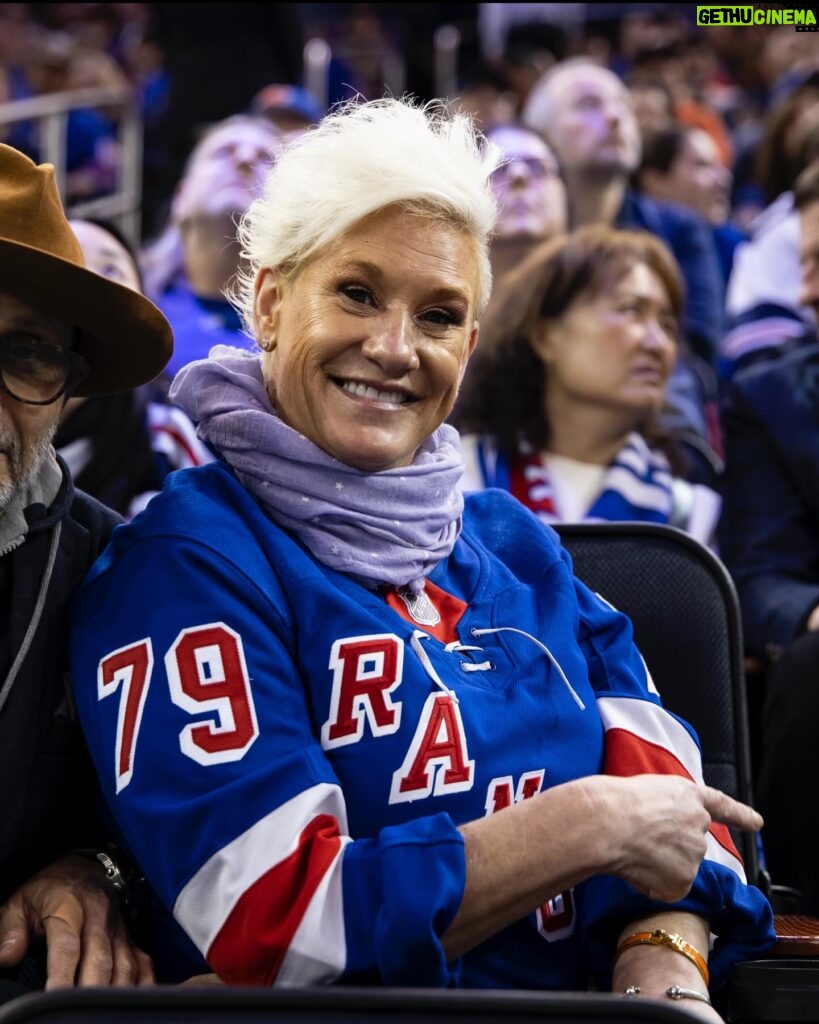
(441, 317)
(357, 294)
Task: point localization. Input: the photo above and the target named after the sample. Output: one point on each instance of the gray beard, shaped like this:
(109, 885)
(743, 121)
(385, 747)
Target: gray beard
(24, 462)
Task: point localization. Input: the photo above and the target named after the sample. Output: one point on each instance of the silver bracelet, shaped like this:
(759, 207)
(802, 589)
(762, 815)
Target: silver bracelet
(675, 992)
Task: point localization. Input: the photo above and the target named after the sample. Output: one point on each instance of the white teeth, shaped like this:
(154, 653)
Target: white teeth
(371, 393)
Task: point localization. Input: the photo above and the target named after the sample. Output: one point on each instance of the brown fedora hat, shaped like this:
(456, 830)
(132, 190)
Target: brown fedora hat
(124, 338)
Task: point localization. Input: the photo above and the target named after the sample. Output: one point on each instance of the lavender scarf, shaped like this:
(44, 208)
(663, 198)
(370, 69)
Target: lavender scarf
(388, 527)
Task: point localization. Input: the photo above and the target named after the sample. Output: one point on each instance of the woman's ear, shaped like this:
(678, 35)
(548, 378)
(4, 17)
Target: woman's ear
(541, 342)
(267, 297)
(473, 340)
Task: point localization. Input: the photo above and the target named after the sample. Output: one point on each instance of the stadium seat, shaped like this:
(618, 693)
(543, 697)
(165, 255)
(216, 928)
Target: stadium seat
(686, 618)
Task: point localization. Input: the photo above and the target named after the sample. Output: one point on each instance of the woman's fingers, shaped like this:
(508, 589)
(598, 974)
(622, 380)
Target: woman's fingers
(666, 820)
(725, 809)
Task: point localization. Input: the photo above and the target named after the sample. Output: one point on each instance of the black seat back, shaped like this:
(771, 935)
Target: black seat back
(685, 613)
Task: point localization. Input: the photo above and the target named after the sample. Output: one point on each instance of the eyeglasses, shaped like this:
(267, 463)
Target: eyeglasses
(36, 372)
(536, 167)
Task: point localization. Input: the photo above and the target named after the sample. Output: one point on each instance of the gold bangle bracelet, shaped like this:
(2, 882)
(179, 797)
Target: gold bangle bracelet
(660, 937)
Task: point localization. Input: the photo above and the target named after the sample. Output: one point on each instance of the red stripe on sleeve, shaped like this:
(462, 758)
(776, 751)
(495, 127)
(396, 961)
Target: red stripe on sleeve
(254, 939)
(627, 754)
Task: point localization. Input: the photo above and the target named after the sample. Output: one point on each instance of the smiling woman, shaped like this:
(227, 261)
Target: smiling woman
(312, 782)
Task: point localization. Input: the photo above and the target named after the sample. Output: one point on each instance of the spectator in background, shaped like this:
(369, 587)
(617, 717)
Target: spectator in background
(643, 30)
(92, 150)
(192, 264)
(561, 407)
(683, 165)
(788, 58)
(584, 111)
(670, 66)
(484, 95)
(653, 105)
(215, 61)
(531, 196)
(290, 108)
(770, 543)
(530, 50)
(119, 448)
(763, 304)
(19, 35)
(535, 28)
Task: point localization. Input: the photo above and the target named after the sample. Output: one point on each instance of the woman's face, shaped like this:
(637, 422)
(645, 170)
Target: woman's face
(698, 178)
(615, 350)
(106, 255)
(528, 188)
(371, 337)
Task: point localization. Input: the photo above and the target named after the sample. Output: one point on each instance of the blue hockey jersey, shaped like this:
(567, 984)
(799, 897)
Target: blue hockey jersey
(288, 753)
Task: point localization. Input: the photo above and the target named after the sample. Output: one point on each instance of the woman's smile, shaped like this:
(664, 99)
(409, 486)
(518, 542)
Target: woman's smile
(373, 394)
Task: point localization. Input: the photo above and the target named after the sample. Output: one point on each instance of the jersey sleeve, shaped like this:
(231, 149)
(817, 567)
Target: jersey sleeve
(642, 737)
(191, 699)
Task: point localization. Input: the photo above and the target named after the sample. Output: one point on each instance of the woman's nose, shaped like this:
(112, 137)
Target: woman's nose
(656, 337)
(391, 343)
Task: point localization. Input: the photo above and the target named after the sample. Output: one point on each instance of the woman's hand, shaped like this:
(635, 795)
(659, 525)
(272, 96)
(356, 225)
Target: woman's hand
(73, 907)
(650, 830)
(657, 827)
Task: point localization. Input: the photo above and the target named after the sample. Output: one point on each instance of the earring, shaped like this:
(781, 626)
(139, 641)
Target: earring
(267, 344)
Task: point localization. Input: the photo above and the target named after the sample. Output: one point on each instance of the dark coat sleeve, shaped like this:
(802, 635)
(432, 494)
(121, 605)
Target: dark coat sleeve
(769, 530)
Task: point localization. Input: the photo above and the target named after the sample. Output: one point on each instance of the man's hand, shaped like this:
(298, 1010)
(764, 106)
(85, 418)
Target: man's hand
(71, 904)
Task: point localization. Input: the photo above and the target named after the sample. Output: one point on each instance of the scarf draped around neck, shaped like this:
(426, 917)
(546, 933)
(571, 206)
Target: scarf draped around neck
(391, 527)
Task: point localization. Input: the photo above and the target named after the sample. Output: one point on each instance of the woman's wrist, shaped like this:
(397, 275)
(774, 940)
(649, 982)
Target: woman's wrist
(662, 937)
(654, 969)
(658, 965)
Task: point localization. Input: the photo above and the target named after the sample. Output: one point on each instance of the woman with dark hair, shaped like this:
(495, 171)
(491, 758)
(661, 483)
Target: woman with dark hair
(562, 408)
(683, 165)
(121, 447)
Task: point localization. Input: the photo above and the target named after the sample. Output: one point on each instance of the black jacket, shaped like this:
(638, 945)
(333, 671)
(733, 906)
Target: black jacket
(769, 529)
(47, 787)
